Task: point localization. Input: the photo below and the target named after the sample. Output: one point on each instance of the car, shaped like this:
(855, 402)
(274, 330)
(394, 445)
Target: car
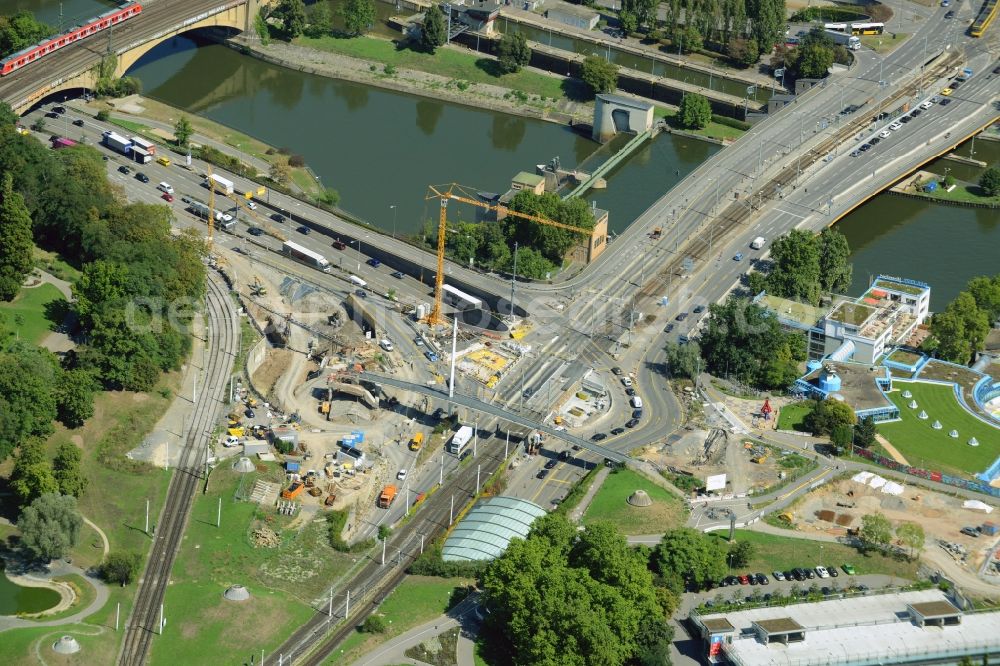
(304, 230)
(832, 571)
(373, 262)
(955, 85)
(550, 464)
(598, 437)
(141, 177)
(946, 3)
(947, 92)
(398, 275)
(165, 161)
(905, 119)
(51, 114)
(431, 356)
(880, 116)
(698, 309)
(895, 126)
(361, 293)
(778, 575)
(916, 112)
(542, 473)
(684, 339)
(78, 122)
(124, 169)
(949, 15)
(637, 414)
(865, 147)
(631, 423)
(738, 256)
(798, 574)
(935, 99)
(945, 102)
(996, 70)
(788, 575)
(401, 475)
(849, 569)
(753, 579)
(278, 217)
(527, 393)
(231, 441)
(744, 580)
(855, 153)
(166, 196)
(926, 104)
(668, 328)
(884, 134)
(617, 431)
(875, 140)
(59, 109)
(682, 316)
(386, 344)
(969, 531)
(626, 382)
(731, 580)
(630, 391)
(249, 413)
(418, 341)
(810, 574)
(255, 231)
(564, 455)
(617, 372)
(821, 572)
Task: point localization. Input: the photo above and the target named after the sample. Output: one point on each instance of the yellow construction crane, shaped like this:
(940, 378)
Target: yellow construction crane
(211, 204)
(454, 191)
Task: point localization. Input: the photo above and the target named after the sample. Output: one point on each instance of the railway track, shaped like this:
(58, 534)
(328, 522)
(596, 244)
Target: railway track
(223, 338)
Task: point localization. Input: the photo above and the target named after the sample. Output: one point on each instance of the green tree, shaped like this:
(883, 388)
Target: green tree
(359, 16)
(32, 474)
(990, 181)
(121, 568)
(795, 271)
(986, 292)
(27, 401)
(767, 21)
(21, 30)
(912, 536)
(67, 472)
(864, 432)
(513, 52)
(292, 14)
(875, 532)
(552, 242)
(841, 436)
(375, 624)
(50, 526)
(961, 329)
(628, 21)
(688, 558)
(16, 242)
(741, 553)
(321, 19)
(643, 10)
(695, 111)
(814, 61)
(599, 74)
(183, 130)
(744, 52)
(835, 267)
(827, 415)
(280, 173)
(435, 32)
(75, 398)
(683, 360)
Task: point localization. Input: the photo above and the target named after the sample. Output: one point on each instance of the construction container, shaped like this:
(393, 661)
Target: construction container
(292, 491)
(291, 466)
(990, 529)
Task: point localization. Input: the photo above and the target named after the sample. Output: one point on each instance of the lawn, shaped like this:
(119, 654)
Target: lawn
(934, 449)
(131, 126)
(714, 130)
(38, 307)
(50, 262)
(791, 416)
(963, 192)
(666, 512)
(883, 44)
(418, 599)
(18, 645)
(785, 552)
(451, 63)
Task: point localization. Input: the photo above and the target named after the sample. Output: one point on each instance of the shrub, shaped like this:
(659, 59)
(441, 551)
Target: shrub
(103, 115)
(121, 568)
(296, 161)
(731, 122)
(335, 521)
(375, 624)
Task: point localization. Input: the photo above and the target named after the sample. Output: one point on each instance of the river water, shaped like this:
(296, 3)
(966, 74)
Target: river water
(48, 11)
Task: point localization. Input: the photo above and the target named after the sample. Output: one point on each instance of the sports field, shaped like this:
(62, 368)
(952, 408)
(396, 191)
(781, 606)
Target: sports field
(933, 449)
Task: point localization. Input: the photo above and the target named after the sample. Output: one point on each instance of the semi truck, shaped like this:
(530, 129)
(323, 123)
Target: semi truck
(852, 42)
(62, 142)
(116, 142)
(221, 184)
(306, 256)
(387, 497)
(460, 440)
(222, 220)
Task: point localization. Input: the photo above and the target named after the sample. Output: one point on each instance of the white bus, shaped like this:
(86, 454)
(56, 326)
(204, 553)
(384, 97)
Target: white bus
(306, 256)
(460, 299)
(835, 27)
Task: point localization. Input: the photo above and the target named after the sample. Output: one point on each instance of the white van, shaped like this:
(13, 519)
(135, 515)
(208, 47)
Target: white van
(164, 187)
(358, 281)
(636, 402)
(386, 344)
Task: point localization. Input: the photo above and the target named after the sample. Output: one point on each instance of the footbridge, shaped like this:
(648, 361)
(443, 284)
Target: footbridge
(76, 66)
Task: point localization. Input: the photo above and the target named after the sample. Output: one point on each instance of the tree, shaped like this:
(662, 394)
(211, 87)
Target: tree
(599, 74)
(32, 474)
(66, 469)
(359, 16)
(375, 624)
(16, 242)
(27, 401)
(875, 532)
(744, 52)
(695, 111)
(689, 558)
(513, 52)
(628, 21)
(864, 432)
(827, 415)
(50, 526)
(121, 568)
(321, 19)
(841, 436)
(435, 33)
(912, 536)
(767, 21)
(961, 329)
(835, 267)
(75, 399)
(683, 360)
(740, 554)
(990, 181)
(292, 14)
(183, 130)
(21, 30)
(795, 271)
(644, 11)
(814, 61)
(280, 173)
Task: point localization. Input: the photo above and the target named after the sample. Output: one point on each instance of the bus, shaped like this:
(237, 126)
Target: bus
(985, 17)
(835, 27)
(867, 28)
(460, 299)
(306, 256)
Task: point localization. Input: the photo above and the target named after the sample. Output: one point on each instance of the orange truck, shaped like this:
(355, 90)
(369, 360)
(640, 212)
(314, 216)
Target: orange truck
(417, 441)
(387, 497)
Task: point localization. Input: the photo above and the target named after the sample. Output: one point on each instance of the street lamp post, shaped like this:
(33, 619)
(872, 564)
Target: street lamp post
(393, 208)
(358, 241)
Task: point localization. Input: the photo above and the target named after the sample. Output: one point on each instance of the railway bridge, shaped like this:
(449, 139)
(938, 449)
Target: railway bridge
(76, 66)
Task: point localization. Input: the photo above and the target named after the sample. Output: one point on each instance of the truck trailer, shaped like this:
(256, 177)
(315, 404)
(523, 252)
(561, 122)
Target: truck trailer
(850, 41)
(221, 184)
(116, 142)
(306, 256)
(460, 440)
(222, 220)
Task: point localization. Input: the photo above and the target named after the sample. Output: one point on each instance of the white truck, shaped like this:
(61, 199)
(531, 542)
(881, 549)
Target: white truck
(221, 184)
(222, 220)
(850, 41)
(460, 440)
(757, 243)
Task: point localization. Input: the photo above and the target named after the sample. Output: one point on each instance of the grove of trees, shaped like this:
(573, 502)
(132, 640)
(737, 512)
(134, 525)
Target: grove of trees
(959, 332)
(50, 526)
(292, 14)
(805, 265)
(20, 30)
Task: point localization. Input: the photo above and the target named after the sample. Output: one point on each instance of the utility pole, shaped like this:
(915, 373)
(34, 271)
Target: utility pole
(147, 517)
(479, 469)
(454, 355)
(451, 514)
(218, 514)
(513, 282)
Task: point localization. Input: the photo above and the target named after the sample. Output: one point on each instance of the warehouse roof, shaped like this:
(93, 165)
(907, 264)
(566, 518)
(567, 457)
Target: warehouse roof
(487, 530)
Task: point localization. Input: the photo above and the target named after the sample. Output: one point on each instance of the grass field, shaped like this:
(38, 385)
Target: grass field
(666, 512)
(34, 306)
(934, 449)
(791, 416)
(418, 599)
(98, 645)
(713, 130)
(785, 552)
(55, 264)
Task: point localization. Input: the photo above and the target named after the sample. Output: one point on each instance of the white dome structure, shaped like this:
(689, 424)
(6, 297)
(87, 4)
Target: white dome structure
(237, 593)
(936, 425)
(922, 415)
(66, 645)
(907, 394)
(913, 404)
(953, 434)
(973, 442)
(639, 498)
(243, 465)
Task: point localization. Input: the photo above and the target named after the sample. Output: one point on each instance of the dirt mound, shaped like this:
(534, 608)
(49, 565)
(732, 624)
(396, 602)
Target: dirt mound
(264, 537)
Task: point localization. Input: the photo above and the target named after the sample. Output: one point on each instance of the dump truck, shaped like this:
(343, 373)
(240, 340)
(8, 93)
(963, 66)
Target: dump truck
(417, 441)
(387, 497)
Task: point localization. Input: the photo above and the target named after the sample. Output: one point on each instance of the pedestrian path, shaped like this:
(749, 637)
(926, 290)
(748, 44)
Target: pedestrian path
(576, 515)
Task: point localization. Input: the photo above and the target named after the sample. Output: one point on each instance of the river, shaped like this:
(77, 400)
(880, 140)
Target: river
(48, 11)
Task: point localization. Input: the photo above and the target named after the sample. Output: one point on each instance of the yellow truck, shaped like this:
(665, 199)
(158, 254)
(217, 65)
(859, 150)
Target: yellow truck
(417, 441)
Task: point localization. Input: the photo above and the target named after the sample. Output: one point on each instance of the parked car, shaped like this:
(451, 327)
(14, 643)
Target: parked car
(617, 431)
(731, 580)
(598, 437)
(945, 102)
(788, 575)
(636, 414)
(821, 572)
(778, 575)
(895, 126)
(668, 328)
(810, 574)
(249, 413)
(231, 441)
(255, 231)
(744, 580)
(682, 316)
(969, 531)
(848, 569)
(905, 119)
(630, 391)
(753, 579)
(626, 382)
(832, 571)
(762, 579)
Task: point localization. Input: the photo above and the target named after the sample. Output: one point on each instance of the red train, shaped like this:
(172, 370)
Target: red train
(45, 47)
